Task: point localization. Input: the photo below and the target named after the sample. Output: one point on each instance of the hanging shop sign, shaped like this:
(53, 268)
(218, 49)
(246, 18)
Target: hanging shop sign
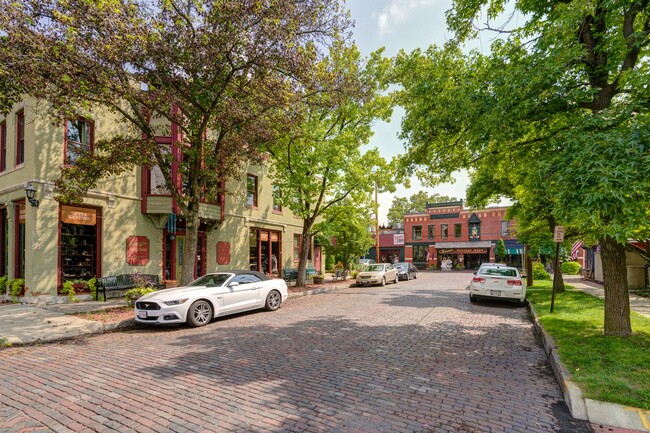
(462, 251)
(137, 250)
(398, 239)
(77, 215)
(21, 213)
(223, 253)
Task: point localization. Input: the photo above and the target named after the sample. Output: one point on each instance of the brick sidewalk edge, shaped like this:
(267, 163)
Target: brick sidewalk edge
(611, 414)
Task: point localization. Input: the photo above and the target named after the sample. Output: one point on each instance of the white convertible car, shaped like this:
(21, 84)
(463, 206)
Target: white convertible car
(210, 296)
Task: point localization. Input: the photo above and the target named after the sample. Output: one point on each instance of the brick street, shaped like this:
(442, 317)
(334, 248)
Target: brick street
(411, 357)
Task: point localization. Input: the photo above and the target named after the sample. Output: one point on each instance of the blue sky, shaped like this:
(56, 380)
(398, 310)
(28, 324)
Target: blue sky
(395, 25)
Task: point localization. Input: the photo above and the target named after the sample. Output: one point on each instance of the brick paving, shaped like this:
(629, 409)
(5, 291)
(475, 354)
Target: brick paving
(411, 357)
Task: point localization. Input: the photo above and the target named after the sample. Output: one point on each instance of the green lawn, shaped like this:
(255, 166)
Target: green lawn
(609, 369)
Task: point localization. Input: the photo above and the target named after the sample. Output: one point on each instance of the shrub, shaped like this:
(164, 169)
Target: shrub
(571, 268)
(16, 286)
(354, 274)
(137, 292)
(92, 286)
(3, 283)
(539, 273)
(68, 289)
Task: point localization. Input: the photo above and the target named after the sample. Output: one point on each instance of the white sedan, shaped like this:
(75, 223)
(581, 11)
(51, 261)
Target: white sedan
(378, 273)
(212, 295)
(499, 282)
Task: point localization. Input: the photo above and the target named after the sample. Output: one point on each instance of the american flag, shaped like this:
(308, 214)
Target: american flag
(574, 250)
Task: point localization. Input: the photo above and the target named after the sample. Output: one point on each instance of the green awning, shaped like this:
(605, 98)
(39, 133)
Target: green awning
(515, 251)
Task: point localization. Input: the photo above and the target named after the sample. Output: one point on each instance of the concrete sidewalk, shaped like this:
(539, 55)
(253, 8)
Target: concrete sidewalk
(638, 304)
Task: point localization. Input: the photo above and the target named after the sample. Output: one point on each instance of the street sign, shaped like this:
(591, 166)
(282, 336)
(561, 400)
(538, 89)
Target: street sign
(558, 234)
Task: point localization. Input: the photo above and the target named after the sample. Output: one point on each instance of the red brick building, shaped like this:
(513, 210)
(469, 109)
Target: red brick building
(448, 235)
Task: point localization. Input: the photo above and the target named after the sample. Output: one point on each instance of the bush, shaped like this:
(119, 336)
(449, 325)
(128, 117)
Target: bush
(571, 268)
(68, 289)
(539, 273)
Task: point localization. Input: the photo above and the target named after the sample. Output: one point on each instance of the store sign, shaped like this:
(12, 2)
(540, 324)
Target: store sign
(398, 239)
(76, 215)
(463, 251)
(558, 234)
(137, 250)
(223, 253)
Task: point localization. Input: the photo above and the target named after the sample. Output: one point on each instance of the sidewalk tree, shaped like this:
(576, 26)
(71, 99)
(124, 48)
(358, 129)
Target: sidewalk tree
(500, 250)
(222, 73)
(415, 203)
(319, 163)
(561, 100)
(344, 231)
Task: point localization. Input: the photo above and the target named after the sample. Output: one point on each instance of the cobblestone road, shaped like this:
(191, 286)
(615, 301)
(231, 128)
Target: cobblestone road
(411, 357)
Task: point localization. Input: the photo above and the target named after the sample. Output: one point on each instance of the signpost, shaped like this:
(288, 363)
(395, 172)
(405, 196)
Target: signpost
(558, 238)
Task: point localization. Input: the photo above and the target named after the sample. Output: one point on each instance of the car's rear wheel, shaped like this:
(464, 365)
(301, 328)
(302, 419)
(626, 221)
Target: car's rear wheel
(199, 314)
(383, 281)
(273, 300)
(472, 298)
(415, 276)
(408, 276)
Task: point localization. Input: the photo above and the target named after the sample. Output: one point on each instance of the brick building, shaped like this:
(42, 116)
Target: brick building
(447, 234)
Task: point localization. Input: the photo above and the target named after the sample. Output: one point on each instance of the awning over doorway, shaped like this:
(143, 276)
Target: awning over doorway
(477, 244)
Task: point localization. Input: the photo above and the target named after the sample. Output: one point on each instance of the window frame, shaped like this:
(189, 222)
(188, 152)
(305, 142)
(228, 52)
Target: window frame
(254, 192)
(91, 139)
(3, 146)
(431, 231)
(458, 230)
(413, 232)
(444, 231)
(20, 137)
(277, 195)
(505, 232)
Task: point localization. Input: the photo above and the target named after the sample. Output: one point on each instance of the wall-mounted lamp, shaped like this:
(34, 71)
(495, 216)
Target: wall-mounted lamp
(30, 191)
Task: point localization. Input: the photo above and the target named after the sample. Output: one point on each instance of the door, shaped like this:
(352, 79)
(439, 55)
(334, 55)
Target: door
(243, 294)
(174, 260)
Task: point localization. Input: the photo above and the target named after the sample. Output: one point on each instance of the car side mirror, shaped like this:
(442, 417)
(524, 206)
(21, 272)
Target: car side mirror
(233, 284)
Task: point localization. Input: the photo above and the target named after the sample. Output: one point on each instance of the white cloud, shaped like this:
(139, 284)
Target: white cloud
(398, 11)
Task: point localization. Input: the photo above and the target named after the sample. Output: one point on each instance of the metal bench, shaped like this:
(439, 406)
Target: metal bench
(339, 274)
(291, 274)
(124, 282)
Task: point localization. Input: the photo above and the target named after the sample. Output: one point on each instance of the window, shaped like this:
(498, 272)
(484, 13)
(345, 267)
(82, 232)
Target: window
(420, 253)
(444, 231)
(78, 139)
(432, 231)
(474, 231)
(20, 137)
(505, 228)
(296, 247)
(251, 190)
(3, 147)
(417, 232)
(458, 231)
(277, 205)
(245, 279)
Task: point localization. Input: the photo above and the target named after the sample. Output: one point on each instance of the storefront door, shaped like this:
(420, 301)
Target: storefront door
(80, 243)
(264, 251)
(174, 260)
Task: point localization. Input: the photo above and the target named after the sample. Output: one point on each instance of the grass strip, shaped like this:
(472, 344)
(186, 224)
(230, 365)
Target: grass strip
(610, 369)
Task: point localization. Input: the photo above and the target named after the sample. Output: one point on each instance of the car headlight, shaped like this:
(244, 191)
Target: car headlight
(176, 302)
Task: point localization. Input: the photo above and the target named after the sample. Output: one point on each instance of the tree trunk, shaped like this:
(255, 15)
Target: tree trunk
(529, 269)
(617, 296)
(192, 222)
(301, 279)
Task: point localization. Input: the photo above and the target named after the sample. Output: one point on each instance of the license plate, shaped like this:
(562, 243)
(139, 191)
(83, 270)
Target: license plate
(142, 314)
(495, 293)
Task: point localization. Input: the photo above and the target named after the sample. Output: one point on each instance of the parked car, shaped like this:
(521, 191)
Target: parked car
(497, 281)
(212, 295)
(378, 273)
(406, 271)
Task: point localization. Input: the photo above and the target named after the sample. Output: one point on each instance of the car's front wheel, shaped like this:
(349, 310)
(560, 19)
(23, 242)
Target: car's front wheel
(199, 314)
(396, 280)
(383, 281)
(273, 300)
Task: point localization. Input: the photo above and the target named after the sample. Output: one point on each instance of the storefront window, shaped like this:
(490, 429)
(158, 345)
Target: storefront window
(78, 243)
(420, 253)
(253, 249)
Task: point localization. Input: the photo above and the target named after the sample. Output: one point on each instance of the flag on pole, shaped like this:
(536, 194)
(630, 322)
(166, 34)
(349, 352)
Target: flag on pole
(574, 250)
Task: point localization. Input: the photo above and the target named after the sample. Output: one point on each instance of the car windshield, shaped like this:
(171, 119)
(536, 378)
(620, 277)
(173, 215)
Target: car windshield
(375, 268)
(210, 280)
(502, 272)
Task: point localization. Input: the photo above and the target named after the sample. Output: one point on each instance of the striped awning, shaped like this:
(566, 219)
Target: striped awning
(515, 251)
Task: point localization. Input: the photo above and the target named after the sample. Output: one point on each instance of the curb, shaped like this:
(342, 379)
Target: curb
(317, 291)
(598, 412)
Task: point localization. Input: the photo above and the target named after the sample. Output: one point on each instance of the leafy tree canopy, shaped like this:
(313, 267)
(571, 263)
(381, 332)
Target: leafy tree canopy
(415, 203)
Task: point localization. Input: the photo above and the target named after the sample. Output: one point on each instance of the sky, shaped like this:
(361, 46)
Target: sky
(407, 25)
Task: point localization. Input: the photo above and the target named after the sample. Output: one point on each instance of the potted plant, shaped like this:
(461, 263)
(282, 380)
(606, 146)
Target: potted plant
(143, 285)
(318, 278)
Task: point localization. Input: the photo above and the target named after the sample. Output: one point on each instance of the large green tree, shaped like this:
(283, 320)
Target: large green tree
(415, 203)
(319, 163)
(219, 76)
(562, 100)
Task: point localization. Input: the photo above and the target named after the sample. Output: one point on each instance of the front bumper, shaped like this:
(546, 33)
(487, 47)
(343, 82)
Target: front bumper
(156, 313)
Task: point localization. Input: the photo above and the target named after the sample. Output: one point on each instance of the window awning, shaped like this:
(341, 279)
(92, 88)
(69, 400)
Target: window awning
(476, 244)
(515, 251)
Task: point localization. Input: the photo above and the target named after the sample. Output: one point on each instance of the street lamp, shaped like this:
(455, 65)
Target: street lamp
(30, 192)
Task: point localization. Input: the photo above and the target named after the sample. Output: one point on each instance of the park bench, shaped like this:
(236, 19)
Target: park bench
(339, 274)
(291, 274)
(124, 282)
